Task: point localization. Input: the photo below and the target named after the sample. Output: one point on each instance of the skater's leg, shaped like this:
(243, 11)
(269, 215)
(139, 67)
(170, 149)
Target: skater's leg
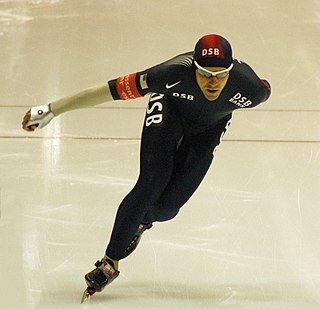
(192, 161)
(161, 134)
(159, 141)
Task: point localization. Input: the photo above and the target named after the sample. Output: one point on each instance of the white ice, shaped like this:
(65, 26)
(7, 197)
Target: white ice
(248, 238)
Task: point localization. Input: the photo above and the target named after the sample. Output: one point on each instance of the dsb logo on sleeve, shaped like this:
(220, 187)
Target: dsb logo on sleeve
(240, 100)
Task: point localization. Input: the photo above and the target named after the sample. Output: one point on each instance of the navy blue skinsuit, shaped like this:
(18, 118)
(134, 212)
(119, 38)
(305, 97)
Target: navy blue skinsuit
(181, 132)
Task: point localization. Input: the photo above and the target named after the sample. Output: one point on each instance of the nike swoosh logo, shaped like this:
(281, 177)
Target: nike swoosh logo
(172, 85)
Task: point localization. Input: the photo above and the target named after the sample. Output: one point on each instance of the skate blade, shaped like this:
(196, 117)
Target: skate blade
(86, 294)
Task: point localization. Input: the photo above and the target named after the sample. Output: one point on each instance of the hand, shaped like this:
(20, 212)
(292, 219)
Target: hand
(37, 117)
(25, 120)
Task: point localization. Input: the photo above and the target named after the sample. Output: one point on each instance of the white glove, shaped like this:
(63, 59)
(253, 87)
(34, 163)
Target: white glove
(40, 116)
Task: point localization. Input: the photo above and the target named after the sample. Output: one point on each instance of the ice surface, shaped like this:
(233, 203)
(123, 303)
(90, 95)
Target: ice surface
(249, 236)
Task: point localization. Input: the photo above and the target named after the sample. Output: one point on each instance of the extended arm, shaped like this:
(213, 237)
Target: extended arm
(40, 116)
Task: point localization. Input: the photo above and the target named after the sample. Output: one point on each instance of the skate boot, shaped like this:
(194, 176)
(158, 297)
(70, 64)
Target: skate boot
(100, 277)
(137, 237)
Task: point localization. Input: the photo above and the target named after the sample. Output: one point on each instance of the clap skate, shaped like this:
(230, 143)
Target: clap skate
(100, 277)
(137, 237)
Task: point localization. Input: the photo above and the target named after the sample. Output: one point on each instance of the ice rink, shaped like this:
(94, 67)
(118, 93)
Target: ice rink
(248, 238)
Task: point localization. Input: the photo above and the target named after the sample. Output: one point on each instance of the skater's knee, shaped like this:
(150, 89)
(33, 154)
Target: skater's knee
(162, 217)
(162, 214)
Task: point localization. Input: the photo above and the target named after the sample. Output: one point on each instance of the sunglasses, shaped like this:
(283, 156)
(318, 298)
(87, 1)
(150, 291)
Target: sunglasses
(208, 74)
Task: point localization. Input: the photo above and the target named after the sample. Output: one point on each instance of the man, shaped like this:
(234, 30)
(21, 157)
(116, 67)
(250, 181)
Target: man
(192, 99)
